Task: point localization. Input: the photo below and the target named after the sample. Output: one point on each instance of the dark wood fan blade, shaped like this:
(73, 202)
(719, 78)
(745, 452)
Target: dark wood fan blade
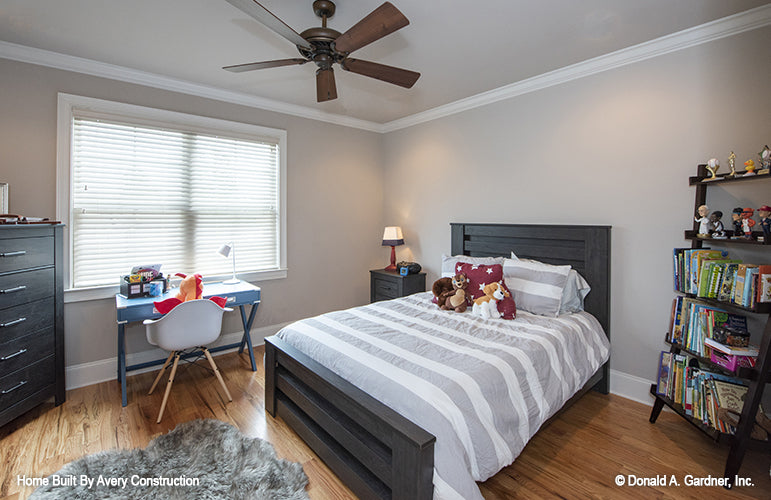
(240, 68)
(269, 19)
(380, 22)
(398, 76)
(325, 85)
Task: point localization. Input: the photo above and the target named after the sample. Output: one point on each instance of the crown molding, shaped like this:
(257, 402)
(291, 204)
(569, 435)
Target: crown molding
(715, 30)
(56, 60)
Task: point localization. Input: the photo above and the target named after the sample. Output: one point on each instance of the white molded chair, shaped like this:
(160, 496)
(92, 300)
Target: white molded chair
(192, 324)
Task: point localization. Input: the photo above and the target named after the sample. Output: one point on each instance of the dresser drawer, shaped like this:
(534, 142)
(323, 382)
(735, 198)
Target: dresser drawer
(386, 289)
(27, 381)
(18, 288)
(23, 351)
(25, 253)
(23, 319)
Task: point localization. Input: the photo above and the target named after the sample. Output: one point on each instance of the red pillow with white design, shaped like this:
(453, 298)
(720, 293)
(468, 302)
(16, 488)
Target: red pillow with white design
(480, 275)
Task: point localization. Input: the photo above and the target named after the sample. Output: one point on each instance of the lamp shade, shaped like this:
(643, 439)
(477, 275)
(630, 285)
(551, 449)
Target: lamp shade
(392, 236)
(225, 250)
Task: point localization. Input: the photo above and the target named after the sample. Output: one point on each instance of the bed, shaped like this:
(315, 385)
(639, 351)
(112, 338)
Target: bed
(381, 441)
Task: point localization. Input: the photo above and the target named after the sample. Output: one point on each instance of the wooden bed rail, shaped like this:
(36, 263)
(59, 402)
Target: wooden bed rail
(375, 451)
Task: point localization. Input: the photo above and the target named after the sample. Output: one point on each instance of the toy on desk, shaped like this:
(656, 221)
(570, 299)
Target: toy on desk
(748, 222)
(190, 288)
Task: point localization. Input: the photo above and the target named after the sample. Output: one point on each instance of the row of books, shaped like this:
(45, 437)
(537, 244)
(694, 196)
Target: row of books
(700, 392)
(692, 323)
(713, 274)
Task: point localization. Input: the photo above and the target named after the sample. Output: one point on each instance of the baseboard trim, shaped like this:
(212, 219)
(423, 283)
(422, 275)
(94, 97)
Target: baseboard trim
(95, 372)
(631, 387)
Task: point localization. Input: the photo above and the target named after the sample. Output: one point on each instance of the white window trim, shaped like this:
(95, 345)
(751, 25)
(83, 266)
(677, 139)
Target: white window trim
(67, 103)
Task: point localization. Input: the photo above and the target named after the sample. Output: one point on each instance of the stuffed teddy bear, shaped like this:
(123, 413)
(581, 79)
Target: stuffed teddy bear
(441, 289)
(458, 300)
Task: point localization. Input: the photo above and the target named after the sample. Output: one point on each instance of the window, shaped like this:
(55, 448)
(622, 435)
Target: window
(148, 186)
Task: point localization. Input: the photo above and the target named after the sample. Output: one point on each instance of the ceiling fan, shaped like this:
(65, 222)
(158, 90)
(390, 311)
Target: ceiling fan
(325, 46)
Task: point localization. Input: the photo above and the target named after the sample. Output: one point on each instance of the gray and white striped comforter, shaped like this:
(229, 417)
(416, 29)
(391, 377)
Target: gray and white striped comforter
(482, 387)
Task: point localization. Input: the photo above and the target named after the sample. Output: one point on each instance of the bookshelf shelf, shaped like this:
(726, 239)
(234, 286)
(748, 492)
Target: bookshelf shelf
(757, 377)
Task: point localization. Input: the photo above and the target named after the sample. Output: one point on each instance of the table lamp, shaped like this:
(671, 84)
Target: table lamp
(226, 250)
(392, 236)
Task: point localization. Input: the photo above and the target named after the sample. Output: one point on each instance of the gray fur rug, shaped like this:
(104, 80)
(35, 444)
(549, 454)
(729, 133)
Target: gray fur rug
(226, 464)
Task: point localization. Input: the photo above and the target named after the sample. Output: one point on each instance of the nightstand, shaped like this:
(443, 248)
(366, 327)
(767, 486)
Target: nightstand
(386, 285)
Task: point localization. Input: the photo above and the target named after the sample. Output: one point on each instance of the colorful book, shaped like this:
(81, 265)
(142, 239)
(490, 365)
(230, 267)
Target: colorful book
(750, 285)
(727, 283)
(663, 381)
(764, 284)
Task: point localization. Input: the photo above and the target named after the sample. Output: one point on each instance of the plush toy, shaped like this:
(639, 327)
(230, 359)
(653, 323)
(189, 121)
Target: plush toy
(190, 288)
(457, 300)
(487, 305)
(441, 289)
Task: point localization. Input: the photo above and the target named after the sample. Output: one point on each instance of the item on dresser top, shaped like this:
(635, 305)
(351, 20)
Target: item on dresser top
(404, 268)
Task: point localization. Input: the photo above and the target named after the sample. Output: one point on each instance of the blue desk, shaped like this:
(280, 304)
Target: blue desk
(129, 310)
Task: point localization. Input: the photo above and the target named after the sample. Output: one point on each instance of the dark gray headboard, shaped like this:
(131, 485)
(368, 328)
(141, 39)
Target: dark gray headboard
(586, 248)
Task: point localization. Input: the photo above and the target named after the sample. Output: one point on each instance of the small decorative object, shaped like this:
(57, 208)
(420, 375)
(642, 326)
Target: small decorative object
(392, 237)
(736, 215)
(713, 165)
(487, 305)
(765, 160)
(717, 231)
(747, 222)
(764, 213)
(749, 165)
(703, 221)
(732, 165)
(457, 300)
(226, 250)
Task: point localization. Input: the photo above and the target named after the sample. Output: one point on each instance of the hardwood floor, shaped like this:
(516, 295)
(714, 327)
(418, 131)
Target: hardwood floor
(578, 456)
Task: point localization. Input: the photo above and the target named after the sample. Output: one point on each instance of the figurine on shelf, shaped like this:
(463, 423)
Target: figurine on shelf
(732, 165)
(765, 160)
(736, 215)
(764, 213)
(749, 166)
(747, 222)
(717, 231)
(703, 220)
(712, 165)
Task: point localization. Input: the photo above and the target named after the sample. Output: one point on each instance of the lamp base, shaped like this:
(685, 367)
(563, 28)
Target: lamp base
(392, 267)
(231, 281)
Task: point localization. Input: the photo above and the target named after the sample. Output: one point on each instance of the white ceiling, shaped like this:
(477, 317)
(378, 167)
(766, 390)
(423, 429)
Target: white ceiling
(461, 48)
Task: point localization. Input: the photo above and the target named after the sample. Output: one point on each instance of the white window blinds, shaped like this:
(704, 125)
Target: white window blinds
(158, 195)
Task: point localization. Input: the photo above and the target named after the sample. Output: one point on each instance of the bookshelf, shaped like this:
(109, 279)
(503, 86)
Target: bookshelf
(758, 376)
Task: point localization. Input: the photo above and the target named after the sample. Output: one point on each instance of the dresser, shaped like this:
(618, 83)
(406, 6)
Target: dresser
(385, 285)
(31, 318)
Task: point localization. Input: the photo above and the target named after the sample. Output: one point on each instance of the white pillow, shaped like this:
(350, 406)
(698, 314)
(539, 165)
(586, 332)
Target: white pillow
(449, 263)
(537, 287)
(575, 291)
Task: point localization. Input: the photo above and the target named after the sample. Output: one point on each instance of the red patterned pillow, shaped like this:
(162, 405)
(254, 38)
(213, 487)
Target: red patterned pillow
(480, 275)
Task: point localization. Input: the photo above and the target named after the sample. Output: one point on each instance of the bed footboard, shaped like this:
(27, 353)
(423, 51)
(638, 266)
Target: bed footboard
(375, 451)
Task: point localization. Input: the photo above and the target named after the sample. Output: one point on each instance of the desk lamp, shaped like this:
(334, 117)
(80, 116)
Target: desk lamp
(225, 250)
(392, 236)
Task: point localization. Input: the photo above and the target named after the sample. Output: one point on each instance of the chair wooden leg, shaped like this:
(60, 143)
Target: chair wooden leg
(160, 373)
(168, 387)
(217, 372)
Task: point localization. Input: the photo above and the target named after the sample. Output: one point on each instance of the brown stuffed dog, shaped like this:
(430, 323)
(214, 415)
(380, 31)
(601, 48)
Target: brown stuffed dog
(441, 289)
(457, 301)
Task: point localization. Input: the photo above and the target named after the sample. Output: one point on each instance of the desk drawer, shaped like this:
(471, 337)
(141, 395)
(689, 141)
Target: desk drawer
(19, 288)
(20, 320)
(26, 350)
(27, 381)
(25, 253)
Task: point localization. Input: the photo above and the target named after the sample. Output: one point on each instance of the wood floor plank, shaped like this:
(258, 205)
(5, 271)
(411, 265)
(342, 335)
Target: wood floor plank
(578, 455)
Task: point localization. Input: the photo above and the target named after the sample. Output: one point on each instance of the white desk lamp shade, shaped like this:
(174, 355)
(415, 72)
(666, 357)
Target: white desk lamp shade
(226, 250)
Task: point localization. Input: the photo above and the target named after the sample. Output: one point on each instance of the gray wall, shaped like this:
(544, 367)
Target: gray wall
(334, 206)
(615, 148)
